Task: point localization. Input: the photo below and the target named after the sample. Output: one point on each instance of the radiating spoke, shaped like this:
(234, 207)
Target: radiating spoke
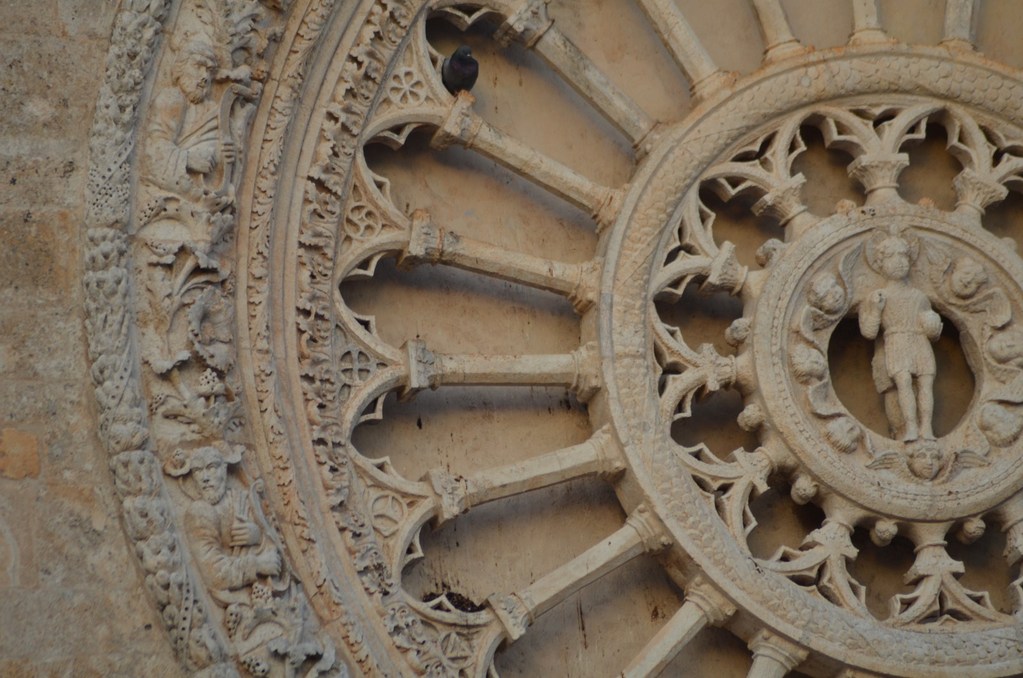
(779, 42)
(578, 371)
(465, 127)
(960, 23)
(774, 656)
(680, 39)
(703, 606)
(866, 23)
(641, 533)
(533, 27)
(456, 494)
(431, 244)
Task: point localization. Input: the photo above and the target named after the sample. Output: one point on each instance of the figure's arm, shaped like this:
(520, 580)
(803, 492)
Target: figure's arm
(168, 160)
(224, 570)
(166, 163)
(870, 314)
(931, 323)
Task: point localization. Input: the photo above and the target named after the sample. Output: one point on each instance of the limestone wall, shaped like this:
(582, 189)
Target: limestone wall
(71, 596)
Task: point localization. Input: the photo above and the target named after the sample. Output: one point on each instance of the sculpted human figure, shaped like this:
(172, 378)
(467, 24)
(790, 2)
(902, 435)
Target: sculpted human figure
(900, 318)
(185, 143)
(240, 561)
(233, 549)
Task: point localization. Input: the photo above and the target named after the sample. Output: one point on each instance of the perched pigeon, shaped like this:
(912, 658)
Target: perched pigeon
(460, 70)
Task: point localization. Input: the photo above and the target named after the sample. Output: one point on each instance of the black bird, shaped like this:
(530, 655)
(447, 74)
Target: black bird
(460, 70)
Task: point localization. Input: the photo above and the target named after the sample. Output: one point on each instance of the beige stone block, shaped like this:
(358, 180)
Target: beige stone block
(17, 535)
(46, 407)
(36, 261)
(156, 662)
(46, 103)
(80, 544)
(19, 454)
(43, 344)
(87, 18)
(30, 616)
(28, 18)
(62, 668)
(57, 173)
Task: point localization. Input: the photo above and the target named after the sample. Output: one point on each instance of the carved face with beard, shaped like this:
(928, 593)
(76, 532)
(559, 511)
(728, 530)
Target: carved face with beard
(193, 70)
(210, 472)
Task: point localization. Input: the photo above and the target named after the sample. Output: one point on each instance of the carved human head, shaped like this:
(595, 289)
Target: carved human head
(207, 466)
(926, 458)
(894, 257)
(967, 277)
(808, 364)
(826, 293)
(1006, 347)
(843, 433)
(194, 67)
(804, 489)
(884, 532)
(1000, 424)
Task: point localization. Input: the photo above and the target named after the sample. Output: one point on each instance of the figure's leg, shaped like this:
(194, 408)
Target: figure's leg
(907, 403)
(925, 402)
(896, 424)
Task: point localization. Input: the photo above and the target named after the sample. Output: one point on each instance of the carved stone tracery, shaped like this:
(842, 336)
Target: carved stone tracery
(292, 544)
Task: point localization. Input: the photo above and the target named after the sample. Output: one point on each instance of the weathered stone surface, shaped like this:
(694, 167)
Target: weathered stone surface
(195, 330)
(19, 454)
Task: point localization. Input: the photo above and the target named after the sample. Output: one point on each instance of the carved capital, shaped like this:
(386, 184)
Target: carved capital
(650, 529)
(587, 371)
(513, 613)
(584, 293)
(422, 367)
(715, 607)
(526, 25)
(426, 241)
(784, 202)
(726, 273)
(770, 648)
(976, 192)
(609, 208)
(876, 171)
(461, 124)
(452, 493)
(611, 462)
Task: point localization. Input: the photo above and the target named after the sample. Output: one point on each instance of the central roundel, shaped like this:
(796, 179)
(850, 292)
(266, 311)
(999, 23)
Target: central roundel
(901, 271)
(897, 271)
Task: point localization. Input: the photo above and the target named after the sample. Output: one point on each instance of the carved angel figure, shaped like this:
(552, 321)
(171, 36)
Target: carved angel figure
(900, 318)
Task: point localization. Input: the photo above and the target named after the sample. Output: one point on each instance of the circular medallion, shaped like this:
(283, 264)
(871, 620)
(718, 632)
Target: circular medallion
(898, 272)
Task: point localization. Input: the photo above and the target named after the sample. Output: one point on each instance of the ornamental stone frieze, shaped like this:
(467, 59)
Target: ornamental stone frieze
(235, 200)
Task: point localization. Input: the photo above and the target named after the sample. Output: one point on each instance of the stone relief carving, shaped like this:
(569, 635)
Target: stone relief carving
(267, 591)
(240, 558)
(900, 318)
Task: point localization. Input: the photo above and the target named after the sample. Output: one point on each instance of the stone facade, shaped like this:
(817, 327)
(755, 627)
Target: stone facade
(676, 345)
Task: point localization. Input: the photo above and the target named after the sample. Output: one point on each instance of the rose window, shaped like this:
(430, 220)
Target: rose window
(714, 362)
